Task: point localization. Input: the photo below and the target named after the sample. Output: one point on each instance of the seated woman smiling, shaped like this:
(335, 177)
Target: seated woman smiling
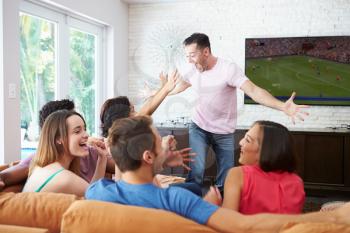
(55, 167)
(267, 182)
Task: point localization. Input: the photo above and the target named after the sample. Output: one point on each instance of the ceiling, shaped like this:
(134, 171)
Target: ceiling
(149, 1)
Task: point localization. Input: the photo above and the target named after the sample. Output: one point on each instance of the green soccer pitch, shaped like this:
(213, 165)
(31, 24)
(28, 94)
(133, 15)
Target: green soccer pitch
(316, 81)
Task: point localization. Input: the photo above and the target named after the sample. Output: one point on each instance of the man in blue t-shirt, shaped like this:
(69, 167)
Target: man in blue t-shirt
(136, 147)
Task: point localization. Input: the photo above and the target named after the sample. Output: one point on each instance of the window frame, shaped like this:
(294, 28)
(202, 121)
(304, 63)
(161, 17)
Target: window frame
(65, 21)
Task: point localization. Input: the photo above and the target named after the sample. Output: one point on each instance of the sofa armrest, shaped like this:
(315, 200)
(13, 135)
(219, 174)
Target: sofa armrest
(18, 229)
(16, 184)
(4, 166)
(42, 210)
(17, 188)
(312, 227)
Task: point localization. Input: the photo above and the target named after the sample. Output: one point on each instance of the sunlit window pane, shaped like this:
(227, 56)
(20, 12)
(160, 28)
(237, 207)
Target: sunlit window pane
(82, 80)
(37, 63)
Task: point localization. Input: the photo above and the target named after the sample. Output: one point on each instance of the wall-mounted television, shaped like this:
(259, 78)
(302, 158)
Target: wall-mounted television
(316, 68)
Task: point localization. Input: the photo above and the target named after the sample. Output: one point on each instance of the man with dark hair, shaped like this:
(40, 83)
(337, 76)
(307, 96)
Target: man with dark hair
(129, 139)
(120, 107)
(136, 146)
(215, 115)
(53, 106)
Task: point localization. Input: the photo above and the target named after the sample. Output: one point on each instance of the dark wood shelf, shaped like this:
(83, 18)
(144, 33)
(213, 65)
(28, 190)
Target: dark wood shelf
(323, 159)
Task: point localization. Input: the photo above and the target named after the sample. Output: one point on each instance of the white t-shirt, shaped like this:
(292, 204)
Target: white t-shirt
(216, 106)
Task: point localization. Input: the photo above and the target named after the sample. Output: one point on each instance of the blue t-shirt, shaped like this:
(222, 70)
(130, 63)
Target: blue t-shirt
(174, 199)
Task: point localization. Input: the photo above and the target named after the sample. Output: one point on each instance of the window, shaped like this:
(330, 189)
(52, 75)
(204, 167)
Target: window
(60, 58)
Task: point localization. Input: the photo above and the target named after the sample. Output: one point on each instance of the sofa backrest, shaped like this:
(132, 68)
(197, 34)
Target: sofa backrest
(43, 210)
(68, 214)
(96, 216)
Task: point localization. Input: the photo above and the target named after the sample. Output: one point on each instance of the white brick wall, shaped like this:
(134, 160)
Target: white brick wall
(157, 30)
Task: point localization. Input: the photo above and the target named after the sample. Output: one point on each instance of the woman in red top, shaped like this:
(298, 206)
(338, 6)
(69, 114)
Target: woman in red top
(267, 182)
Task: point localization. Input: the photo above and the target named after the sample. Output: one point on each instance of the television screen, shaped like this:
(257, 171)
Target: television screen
(316, 68)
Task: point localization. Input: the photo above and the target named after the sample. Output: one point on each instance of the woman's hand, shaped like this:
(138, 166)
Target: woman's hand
(169, 81)
(169, 143)
(93, 141)
(213, 196)
(99, 146)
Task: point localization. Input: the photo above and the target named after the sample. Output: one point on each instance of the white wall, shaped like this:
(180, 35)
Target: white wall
(111, 12)
(157, 30)
(1, 86)
(11, 109)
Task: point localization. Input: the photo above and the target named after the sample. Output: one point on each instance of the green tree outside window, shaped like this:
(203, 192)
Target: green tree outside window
(37, 63)
(82, 80)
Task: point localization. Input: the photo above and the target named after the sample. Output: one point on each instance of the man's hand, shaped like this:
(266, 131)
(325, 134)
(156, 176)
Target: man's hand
(173, 157)
(178, 158)
(263, 97)
(213, 196)
(163, 181)
(293, 110)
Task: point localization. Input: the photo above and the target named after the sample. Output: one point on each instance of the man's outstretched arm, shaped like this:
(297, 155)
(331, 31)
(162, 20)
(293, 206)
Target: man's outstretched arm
(225, 220)
(263, 97)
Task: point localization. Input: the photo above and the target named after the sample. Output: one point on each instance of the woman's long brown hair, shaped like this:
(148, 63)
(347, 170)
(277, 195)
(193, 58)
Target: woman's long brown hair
(49, 150)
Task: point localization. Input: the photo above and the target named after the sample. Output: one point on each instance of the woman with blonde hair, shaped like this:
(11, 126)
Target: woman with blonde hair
(55, 167)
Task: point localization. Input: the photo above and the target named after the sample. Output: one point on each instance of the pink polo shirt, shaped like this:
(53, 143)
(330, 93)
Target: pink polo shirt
(216, 106)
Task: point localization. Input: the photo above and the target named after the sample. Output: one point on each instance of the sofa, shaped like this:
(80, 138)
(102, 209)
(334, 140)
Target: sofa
(54, 213)
(65, 213)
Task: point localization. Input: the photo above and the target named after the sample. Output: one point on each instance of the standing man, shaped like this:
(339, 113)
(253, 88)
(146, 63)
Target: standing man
(215, 115)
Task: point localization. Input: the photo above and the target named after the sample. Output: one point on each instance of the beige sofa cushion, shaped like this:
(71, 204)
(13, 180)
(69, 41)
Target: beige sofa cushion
(96, 216)
(18, 229)
(43, 210)
(315, 228)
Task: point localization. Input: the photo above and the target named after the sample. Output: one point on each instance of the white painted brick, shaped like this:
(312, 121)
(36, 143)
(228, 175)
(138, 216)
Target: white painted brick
(228, 23)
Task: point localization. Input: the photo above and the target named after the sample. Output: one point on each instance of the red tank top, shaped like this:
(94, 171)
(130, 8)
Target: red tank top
(271, 192)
